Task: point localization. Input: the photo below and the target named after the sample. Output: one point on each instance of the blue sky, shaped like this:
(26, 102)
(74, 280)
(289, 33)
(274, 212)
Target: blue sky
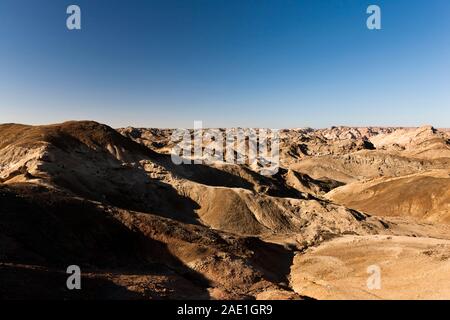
(252, 63)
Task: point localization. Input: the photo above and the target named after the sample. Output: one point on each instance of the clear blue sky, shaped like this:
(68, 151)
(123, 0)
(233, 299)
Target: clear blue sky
(258, 63)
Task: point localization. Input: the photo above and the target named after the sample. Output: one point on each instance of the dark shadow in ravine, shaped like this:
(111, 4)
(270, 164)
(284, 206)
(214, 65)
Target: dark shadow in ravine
(274, 260)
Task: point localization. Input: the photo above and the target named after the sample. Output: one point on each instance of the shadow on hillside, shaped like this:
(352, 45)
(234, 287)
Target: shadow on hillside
(274, 186)
(27, 283)
(40, 227)
(274, 260)
(203, 174)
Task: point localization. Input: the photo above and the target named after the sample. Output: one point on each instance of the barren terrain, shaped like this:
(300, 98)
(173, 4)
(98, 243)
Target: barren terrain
(141, 227)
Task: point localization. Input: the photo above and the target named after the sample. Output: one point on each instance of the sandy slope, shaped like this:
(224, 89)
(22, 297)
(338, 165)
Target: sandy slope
(425, 195)
(411, 268)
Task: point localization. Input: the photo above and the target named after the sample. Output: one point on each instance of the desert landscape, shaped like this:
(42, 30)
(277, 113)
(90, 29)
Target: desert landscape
(141, 227)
